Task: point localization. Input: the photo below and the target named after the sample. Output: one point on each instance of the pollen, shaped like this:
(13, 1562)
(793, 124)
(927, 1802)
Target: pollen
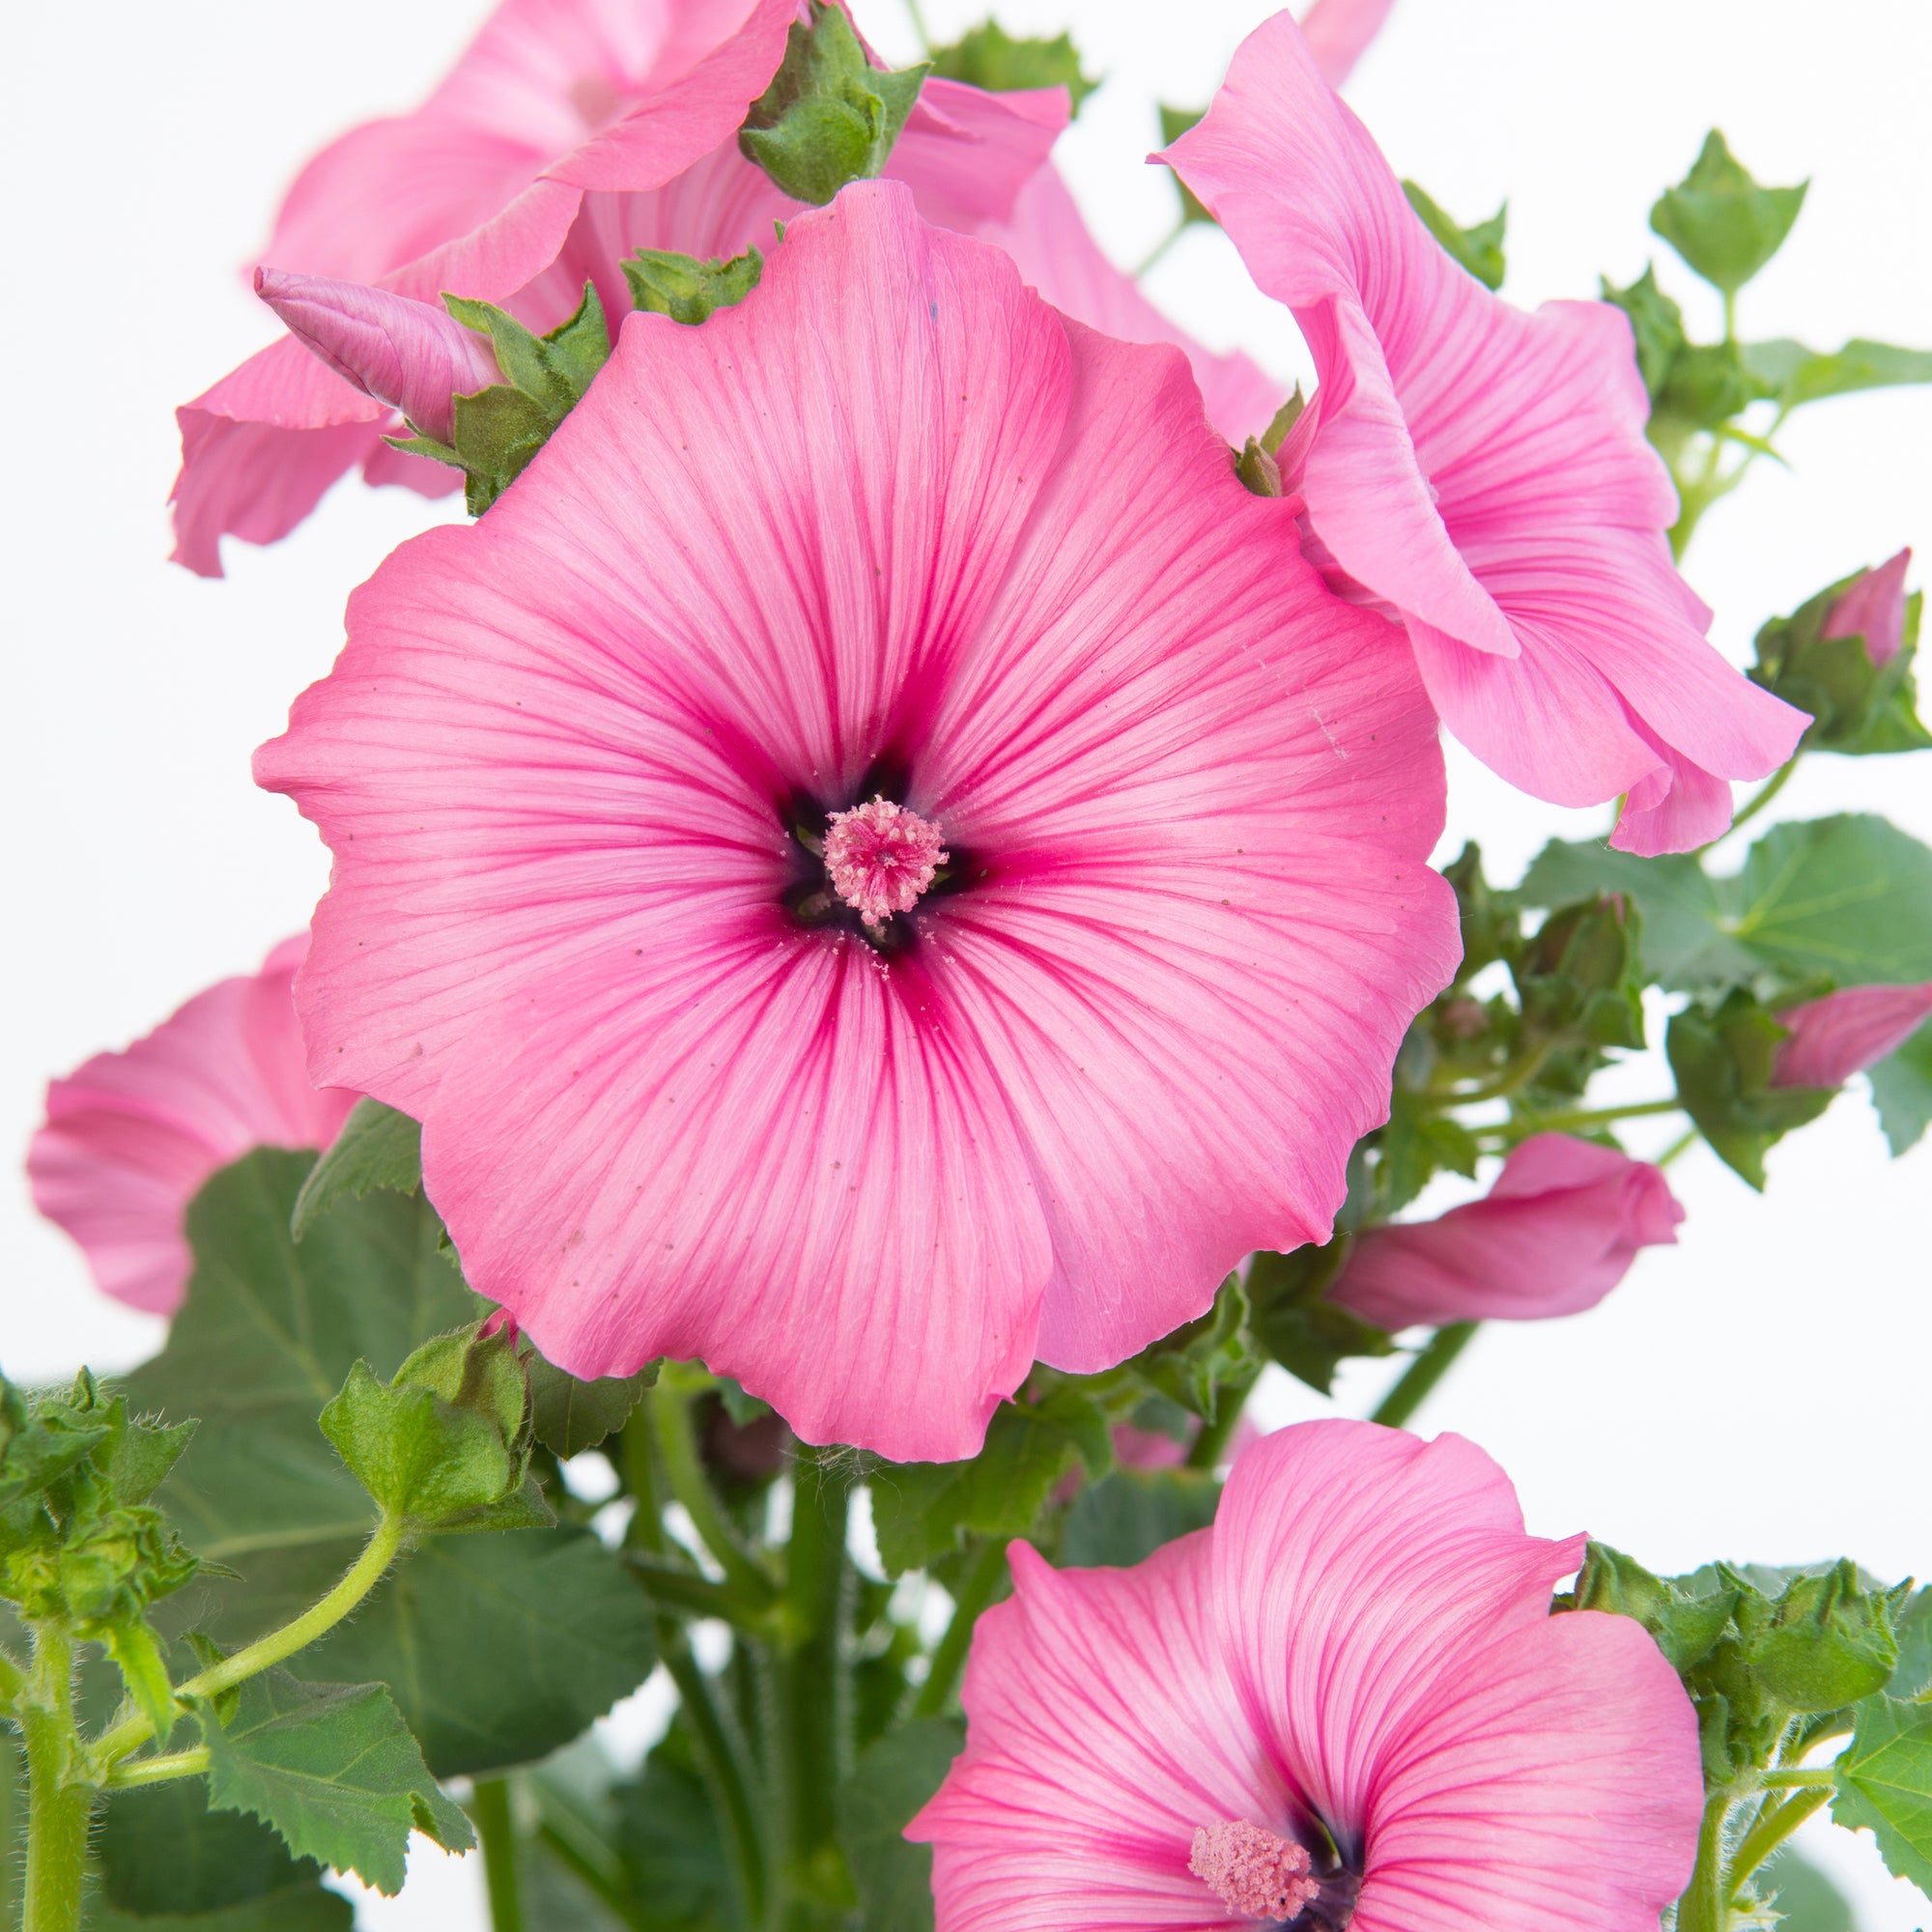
(1253, 1871)
(880, 858)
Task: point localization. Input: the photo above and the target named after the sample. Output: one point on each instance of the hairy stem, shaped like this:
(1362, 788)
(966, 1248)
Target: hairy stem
(684, 1467)
(496, 1833)
(692, 1595)
(1773, 1826)
(1702, 1908)
(1430, 1364)
(59, 1801)
(982, 1578)
(159, 1770)
(361, 1577)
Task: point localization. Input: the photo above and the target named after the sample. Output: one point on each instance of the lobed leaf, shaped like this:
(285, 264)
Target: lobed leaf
(1885, 1784)
(378, 1147)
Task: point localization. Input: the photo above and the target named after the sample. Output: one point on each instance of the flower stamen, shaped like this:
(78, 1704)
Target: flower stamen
(1253, 1871)
(880, 858)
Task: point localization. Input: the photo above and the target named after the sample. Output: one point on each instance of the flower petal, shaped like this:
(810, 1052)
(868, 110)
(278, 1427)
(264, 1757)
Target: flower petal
(1847, 1032)
(966, 153)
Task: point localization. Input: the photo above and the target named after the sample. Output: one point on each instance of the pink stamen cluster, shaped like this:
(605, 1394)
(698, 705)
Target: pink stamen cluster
(880, 858)
(1251, 1870)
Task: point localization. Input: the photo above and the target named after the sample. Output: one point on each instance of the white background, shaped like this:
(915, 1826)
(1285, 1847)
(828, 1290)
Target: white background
(1758, 1391)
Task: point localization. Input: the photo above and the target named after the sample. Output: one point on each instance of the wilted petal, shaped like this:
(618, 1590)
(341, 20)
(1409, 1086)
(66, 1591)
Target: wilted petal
(1847, 1032)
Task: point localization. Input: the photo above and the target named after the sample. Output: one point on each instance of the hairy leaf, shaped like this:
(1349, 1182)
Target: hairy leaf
(1885, 1782)
(376, 1147)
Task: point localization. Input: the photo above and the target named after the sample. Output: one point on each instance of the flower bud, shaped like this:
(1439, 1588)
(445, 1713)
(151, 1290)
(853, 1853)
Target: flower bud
(1846, 1032)
(1873, 608)
(408, 355)
(1826, 1643)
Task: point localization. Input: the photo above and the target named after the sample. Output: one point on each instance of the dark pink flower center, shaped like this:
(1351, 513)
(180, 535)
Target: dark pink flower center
(880, 858)
(1255, 1872)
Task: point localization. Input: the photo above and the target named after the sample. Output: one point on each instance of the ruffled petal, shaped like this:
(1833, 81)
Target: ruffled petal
(1357, 1571)
(1210, 789)
(1102, 1731)
(966, 154)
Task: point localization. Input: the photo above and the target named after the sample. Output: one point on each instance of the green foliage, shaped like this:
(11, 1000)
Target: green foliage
(1707, 386)
(1902, 1090)
(922, 1510)
(988, 56)
(1657, 323)
(1724, 224)
(1885, 1782)
(671, 1846)
(1685, 942)
(498, 1649)
(1789, 374)
(164, 1856)
(1580, 978)
(333, 1769)
(500, 429)
(1124, 1518)
(1293, 1320)
(1202, 1357)
(1478, 250)
(376, 1147)
(1175, 122)
(568, 1416)
(1722, 1057)
(1804, 1899)
(1855, 708)
(828, 116)
(892, 1781)
(686, 289)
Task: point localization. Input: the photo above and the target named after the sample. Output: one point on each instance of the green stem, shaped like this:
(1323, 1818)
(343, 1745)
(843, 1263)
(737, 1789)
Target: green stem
(1773, 1827)
(1430, 1364)
(722, 1765)
(59, 1801)
(1702, 1908)
(1678, 1148)
(1161, 248)
(1206, 1450)
(1820, 1777)
(1772, 786)
(496, 1833)
(613, 1896)
(692, 1595)
(919, 26)
(1573, 1118)
(677, 1444)
(362, 1576)
(159, 1770)
(983, 1576)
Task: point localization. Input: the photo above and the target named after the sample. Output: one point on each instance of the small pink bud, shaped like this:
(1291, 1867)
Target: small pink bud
(410, 355)
(1873, 608)
(1847, 1031)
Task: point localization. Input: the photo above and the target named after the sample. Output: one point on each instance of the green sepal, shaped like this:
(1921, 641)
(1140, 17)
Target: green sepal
(137, 1655)
(989, 57)
(1199, 1359)
(1282, 423)
(1580, 976)
(1885, 1782)
(1721, 1058)
(686, 289)
(1257, 468)
(378, 1147)
(828, 116)
(1686, 1627)
(1175, 122)
(1724, 224)
(1658, 324)
(1791, 375)
(1707, 386)
(1857, 709)
(1292, 1319)
(333, 1769)
(1826, 1641)
(41, 1442)
(1478, 250)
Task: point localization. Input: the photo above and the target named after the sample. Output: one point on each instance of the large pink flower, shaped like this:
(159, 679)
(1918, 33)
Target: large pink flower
(1556, 1232)
(1346, 1704)
(1483, 473)
(131, 1137)
(889, 529)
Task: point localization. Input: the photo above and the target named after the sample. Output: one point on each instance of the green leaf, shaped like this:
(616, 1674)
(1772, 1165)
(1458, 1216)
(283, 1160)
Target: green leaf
(828, 116)
(498, 1649)
(988, 56)
(686, 289)
(1656, 323)
(1902, 1090)
(569, 1416)
(1175, 122)
(1683, 942)
(1478, 250)
(1724, 224)
(1124, 1518)
(164, 1856)
(1911, 1626)
(921, 1510)
(333, 1769)
(137, 1655)
(1722, 1059)
(1794, 374)
(1885, 1783)
(672, 1846)
(895, 1777)
(1291, 1318)
(376, 1147)
(308, 1908)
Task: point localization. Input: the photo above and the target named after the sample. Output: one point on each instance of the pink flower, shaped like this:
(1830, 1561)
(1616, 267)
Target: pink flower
(1483, 473)
(1847, 1032)
(1338, 33)
(1873, 608)
(1556, 1232)
(889, 529)
(1350, 1684)
(131, 1137)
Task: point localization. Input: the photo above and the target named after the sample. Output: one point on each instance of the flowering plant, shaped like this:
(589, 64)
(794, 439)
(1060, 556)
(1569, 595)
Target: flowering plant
(887, 975)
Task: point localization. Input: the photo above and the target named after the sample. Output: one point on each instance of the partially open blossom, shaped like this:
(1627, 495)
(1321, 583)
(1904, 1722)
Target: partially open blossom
(569, 135)
(1847, 1032)
(1345, 1705)
(408, 355)
(1873, 608)
(1483, 473)
(1556, 1232)
(130, 1136)
(889, 529)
